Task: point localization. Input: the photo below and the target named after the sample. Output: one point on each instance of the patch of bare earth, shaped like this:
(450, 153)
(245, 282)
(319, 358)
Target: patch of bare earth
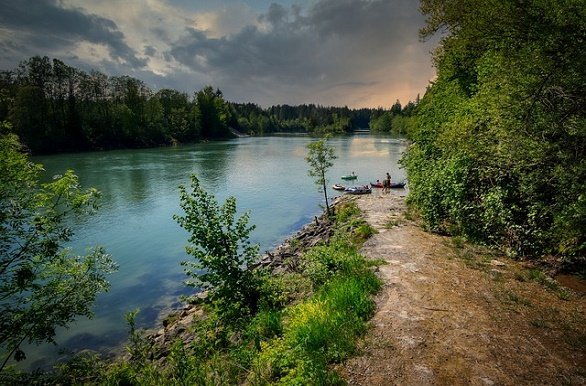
(455, 315)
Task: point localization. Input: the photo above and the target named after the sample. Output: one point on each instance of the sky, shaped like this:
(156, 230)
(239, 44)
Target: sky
(355, 53)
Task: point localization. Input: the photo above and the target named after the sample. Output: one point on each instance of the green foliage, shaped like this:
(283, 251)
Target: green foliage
(278, 291)
(82, 369)
(222, 252)
(43, 286)
(336, 125)
(382, 124)
(322, 329)
(319, 157)
(498, 148)
(264, 326)
(211, 114)
(138, 347)
(402, 124)
(396, 120)
(363, 232)
(340, 259)
(346, 211)
(351, 225)
(322, 263)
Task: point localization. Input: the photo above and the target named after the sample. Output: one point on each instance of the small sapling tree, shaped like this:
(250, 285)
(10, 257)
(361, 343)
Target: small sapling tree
(222, 252)
(319, 157)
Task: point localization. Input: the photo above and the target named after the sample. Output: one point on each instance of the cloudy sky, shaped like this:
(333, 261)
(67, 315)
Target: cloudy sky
(359, 53)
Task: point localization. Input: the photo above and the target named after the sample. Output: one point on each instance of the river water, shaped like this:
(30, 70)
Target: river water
(266, 175)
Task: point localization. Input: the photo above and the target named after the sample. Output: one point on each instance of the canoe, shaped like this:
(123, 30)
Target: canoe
(396, 185)
(350, 177)
(338, 187)
(358, 190)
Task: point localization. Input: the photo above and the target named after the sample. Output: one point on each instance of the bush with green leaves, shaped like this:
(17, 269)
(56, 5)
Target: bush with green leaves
(42, 284)
(324, 262)
(350, 224)
(219, 243)
(498, 150)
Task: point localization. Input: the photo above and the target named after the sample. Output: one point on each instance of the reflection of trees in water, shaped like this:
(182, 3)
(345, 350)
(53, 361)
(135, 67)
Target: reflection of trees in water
(122, 177)
(342, 146)
(139, 175)
(138, 178)
(213, 163)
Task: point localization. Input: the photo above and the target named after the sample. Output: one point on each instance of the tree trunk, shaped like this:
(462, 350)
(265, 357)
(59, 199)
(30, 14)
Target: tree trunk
(326, 194)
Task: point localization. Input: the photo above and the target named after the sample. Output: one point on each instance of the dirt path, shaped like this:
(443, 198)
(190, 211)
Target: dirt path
(451, 314)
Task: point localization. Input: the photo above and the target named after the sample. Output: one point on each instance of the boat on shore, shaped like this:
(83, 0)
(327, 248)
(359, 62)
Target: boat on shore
(396, 185)
(358, 190)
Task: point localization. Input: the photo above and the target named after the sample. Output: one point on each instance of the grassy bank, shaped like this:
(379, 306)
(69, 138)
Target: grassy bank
(309, 318)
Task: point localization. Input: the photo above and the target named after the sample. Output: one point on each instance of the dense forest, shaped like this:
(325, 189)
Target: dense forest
(499, 145)
(53, 107)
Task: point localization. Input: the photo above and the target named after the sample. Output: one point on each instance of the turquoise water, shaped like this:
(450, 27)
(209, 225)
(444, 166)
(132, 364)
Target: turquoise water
(268, 177)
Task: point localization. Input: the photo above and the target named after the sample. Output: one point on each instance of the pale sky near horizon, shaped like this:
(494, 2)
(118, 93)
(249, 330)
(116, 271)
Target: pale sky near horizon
(356, 53)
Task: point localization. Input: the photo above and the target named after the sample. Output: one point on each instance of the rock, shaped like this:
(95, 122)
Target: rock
(163, 353)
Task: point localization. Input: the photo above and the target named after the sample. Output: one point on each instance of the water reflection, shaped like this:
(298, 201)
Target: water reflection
(213, 163)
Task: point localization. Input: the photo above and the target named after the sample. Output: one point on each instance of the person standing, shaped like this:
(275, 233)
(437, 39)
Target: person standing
(387, 184)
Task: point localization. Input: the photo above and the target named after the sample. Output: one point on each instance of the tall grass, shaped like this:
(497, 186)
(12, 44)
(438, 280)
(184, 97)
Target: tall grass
(324, 328)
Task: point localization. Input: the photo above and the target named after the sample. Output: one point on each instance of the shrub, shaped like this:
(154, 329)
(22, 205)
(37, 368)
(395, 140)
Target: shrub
(222, 253)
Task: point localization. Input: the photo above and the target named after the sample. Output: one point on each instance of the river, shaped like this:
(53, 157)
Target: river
(266, 175)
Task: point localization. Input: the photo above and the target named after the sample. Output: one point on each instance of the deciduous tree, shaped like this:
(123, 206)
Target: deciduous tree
(320, 158)
(499, 151)
(42, 284)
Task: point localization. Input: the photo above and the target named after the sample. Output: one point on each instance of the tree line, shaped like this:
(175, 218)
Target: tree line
(54, 107)
(499, 139)
(394, 120)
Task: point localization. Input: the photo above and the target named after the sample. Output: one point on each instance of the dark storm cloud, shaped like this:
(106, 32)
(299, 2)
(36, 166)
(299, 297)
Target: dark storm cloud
(43, 26)
(150, 51)
(249, 53)
(333, 44)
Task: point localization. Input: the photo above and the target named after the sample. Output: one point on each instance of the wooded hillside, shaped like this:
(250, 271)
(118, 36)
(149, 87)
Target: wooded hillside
(499, 152)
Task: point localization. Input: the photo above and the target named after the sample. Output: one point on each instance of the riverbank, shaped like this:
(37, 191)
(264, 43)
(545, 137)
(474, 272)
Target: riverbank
(452, 314)
(448, 313)
(382, 303)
